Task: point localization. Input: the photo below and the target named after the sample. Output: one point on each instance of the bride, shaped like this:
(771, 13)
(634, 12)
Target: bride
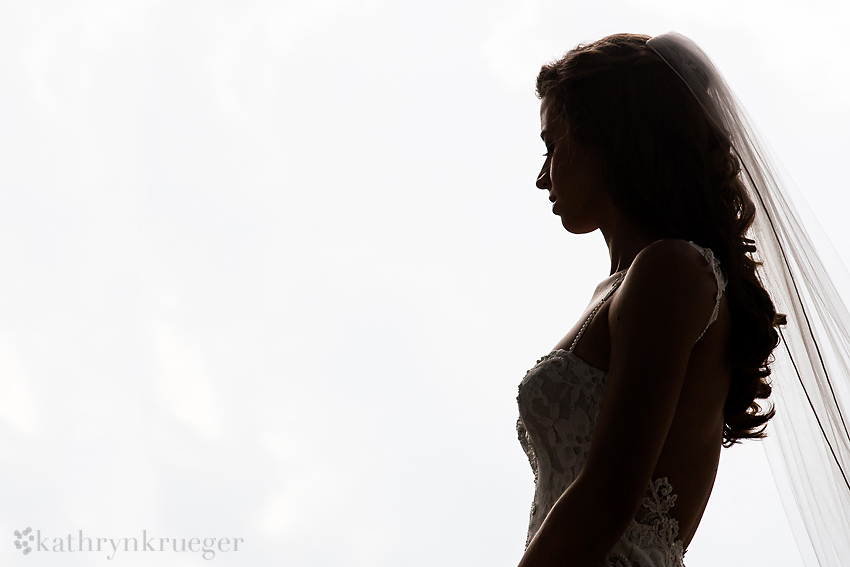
(623, 422)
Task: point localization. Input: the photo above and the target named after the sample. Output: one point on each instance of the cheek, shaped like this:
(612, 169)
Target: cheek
(569, 183)
(560, 175)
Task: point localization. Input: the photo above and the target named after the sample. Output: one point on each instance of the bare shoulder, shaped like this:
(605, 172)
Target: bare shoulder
(670, 259)
(669, 285)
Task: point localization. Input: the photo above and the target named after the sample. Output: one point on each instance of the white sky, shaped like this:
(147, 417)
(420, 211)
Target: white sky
(274, 270)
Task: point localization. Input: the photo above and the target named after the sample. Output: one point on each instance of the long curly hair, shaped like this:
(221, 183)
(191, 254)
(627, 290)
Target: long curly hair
(668, 170)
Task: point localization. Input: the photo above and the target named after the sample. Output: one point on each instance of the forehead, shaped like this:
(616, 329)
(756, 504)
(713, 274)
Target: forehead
(550, 120)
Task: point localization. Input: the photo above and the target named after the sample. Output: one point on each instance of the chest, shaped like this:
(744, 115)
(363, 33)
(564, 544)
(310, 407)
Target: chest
(593, 330)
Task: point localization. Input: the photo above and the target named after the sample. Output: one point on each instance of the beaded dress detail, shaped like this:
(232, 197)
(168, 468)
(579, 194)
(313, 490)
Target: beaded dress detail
(559, 401)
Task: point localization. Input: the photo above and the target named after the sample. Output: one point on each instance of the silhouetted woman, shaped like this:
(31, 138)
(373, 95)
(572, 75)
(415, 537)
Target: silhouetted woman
(623, 422)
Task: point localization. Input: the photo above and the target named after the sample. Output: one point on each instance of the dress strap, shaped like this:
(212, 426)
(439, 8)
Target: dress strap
(718, 276)
(614, 287)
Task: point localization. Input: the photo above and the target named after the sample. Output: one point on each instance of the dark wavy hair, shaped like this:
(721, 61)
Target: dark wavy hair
(668, 170)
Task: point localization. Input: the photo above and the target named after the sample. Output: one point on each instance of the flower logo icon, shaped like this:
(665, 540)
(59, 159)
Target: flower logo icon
(23, 539)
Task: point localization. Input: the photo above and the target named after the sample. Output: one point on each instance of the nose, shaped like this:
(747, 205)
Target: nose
(543, 177)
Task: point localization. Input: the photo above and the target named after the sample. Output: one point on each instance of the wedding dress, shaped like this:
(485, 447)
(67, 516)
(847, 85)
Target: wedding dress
(559, 401)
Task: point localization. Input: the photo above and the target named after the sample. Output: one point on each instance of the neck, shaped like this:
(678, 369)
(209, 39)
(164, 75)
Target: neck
(624, 242)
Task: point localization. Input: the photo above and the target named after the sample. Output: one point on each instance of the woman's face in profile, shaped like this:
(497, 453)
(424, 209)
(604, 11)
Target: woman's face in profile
(571, 174)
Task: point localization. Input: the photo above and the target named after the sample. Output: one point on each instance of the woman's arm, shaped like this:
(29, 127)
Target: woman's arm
(655, 318)
(585, 522)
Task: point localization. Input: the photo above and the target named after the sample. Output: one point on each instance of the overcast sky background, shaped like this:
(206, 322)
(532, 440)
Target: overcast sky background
(274, 270)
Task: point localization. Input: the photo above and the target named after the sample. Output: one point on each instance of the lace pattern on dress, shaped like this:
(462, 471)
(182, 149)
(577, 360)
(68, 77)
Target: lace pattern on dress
(654, 540)
(559, 401)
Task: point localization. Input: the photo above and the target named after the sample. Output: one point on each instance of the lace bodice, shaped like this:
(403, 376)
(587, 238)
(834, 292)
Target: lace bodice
(559, 401)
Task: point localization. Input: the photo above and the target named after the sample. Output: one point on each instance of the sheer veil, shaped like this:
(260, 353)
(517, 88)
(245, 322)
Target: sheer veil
(808, 443)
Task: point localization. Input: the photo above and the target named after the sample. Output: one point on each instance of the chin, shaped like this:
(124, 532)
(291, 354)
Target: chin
(574, 227)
